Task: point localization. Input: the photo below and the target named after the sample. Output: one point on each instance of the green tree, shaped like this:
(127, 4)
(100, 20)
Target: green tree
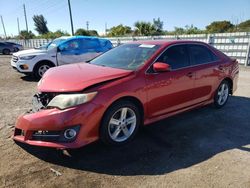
(40, 24)
(119, 30)
(144, 28)
(192, 30)
(93, 33)
(158, 25)
(178, 31)
(244, 26)
(26, 35)
(84, 32)
(53, 35)
(220, 27)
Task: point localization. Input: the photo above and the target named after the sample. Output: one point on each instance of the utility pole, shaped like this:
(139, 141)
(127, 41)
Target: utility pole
(27, 29)
(87, 24)
(3, 27)
(106, 28)
(71, 21)
(18, 27)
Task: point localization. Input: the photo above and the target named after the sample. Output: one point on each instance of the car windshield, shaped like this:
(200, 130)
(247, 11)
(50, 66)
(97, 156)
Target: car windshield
(53, 44)
(126, 56)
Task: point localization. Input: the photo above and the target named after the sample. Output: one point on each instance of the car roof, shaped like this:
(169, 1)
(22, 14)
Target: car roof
(67, 38)
(80, 37)
(165, 42)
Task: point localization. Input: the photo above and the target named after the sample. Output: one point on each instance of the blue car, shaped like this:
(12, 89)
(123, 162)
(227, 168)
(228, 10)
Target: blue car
(61, 51)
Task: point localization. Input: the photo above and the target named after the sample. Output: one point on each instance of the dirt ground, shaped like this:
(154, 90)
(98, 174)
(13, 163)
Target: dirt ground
(202, 148)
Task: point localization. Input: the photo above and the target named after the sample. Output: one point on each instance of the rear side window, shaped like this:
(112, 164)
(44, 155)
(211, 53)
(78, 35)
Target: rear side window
(201, 54)
(176, 56)
(91, 44)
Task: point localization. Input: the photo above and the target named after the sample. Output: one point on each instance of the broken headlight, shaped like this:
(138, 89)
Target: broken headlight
(64, 101)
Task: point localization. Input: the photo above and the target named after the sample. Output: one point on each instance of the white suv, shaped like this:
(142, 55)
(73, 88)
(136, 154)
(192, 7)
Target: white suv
(61, 51)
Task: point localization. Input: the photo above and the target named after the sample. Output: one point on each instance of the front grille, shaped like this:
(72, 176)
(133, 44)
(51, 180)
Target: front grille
(14, 59)
(46, 135)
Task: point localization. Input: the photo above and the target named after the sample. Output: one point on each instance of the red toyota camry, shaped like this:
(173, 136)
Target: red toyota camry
(132, 85)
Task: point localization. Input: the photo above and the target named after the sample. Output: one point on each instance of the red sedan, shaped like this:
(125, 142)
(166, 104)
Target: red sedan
(132, 85)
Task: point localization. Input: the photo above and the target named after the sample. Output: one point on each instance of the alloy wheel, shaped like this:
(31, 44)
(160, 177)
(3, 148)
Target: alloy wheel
(122, 124)
(222, 94)
(42, 69)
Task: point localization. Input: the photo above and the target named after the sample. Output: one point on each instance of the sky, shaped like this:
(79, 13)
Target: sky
(174, 13)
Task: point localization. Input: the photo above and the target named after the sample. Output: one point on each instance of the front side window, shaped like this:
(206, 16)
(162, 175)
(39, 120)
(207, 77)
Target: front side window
(176, 56)
(52, 44)
(71, 46)
(201, 54)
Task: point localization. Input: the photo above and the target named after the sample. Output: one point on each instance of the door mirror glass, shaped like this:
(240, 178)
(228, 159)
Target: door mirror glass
(161, 67)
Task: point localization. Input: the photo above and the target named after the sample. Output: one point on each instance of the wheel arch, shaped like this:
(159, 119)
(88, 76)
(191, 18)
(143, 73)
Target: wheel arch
(43, 61)
(6, 49)
(132, 99)
(230, 81)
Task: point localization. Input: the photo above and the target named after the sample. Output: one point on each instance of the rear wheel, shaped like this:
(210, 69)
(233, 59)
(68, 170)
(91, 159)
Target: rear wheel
(6, 51)
(222, 94)
(40, 69)
(120, 123)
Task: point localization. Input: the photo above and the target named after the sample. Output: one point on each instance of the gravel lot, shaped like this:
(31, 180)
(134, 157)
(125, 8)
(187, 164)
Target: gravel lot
(202, 148)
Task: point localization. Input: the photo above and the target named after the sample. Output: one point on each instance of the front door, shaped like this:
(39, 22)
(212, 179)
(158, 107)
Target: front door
(172, 90)
(77, 50)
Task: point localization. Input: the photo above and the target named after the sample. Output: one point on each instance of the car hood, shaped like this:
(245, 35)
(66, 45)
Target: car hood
(29, 52)
(77, 77)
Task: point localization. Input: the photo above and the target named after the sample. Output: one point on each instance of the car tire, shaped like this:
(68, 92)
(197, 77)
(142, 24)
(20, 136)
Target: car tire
(120, 123)
(40, 69)
(222, 94)
(6, 51)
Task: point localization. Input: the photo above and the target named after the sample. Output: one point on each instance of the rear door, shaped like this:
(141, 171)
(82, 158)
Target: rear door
(91, 49)
(205, 63)
(172, 90)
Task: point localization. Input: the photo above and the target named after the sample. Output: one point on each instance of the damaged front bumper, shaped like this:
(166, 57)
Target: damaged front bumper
(62, 129)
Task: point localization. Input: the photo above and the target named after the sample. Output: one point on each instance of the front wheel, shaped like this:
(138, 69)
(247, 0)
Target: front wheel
(40, 69)
(120, 123)
(222, 94)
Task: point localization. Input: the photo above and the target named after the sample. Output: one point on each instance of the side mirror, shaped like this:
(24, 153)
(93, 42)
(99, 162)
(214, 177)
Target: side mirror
(161, 67)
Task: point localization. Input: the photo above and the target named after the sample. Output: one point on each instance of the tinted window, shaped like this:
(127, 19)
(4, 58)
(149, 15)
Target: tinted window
(91, 43)
(201, 54)
(71, 45)
(176, 56)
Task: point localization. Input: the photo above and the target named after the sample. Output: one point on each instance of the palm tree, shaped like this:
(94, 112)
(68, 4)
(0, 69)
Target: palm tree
(144, 28)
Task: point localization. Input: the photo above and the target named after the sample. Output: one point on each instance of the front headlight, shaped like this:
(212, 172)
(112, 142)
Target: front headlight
(27, 57)
(64, 101)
